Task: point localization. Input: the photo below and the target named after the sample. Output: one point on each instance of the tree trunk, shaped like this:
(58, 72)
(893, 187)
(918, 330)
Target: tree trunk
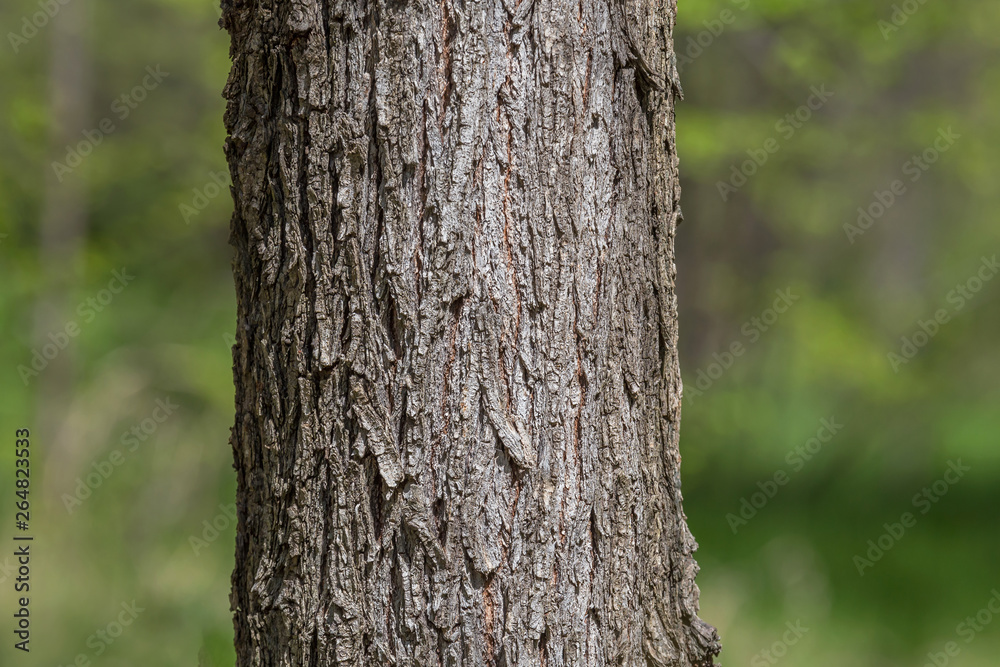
(62, 227)
(456, 365)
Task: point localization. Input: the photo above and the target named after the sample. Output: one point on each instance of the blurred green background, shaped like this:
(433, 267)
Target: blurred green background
(130, 499)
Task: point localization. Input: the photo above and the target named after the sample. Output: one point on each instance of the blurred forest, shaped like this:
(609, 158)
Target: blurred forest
(838, 327)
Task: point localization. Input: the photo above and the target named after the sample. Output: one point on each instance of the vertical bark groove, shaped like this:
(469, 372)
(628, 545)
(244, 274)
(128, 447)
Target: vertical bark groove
(456, 364)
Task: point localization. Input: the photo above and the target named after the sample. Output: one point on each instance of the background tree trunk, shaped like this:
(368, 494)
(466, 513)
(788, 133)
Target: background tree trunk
(63, 228)
(456, 364)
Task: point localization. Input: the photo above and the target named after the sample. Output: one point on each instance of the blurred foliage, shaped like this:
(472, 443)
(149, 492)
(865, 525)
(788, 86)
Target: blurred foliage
(859, 295)
(147, 202)
(166, 336)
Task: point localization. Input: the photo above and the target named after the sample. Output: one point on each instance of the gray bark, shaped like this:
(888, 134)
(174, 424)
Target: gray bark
(456, 364)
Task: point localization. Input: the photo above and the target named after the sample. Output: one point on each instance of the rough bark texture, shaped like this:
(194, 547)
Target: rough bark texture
(456, 365)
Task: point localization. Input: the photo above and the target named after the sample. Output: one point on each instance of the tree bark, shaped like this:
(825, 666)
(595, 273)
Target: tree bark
(458, 395)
